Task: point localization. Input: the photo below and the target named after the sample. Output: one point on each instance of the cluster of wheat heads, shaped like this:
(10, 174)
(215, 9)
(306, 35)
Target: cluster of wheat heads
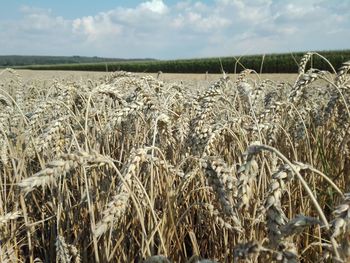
(129, 168)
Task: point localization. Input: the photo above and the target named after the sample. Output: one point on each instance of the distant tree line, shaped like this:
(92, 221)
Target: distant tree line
(271, 63)
(16, 60)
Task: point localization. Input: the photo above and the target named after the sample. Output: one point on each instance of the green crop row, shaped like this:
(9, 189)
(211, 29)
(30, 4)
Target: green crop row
(272, 63)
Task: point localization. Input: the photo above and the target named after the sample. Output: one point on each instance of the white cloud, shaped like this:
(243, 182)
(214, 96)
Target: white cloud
(188, 28)
(97, 27)
(199, 17)
(200, 23)
(156, 6)
(111, 24)
(39, 19)
(38, 31)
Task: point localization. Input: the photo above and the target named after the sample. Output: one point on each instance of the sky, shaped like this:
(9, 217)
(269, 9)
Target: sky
(167, 29)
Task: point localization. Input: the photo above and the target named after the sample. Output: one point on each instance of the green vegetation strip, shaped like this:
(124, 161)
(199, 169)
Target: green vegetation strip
(272, 63)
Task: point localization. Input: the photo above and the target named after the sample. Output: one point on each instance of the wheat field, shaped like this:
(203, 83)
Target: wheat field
(123, 167)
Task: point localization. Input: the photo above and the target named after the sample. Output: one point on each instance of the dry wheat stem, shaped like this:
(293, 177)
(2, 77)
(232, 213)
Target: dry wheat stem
(258, 147)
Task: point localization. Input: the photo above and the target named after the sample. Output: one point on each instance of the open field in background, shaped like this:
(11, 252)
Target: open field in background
(121, 167)
(194, 79)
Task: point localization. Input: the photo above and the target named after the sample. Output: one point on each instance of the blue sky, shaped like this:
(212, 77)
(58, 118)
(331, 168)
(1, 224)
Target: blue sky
(167, 29)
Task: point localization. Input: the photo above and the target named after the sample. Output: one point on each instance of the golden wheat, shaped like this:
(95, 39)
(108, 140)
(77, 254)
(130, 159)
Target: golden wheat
(129, 168)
